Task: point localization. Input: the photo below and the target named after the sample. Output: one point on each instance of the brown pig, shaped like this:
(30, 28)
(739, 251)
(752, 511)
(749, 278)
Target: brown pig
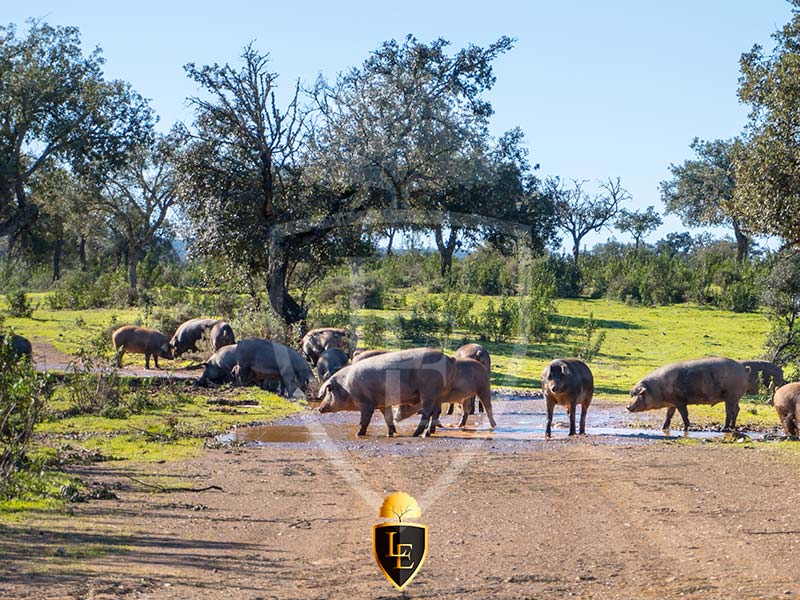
(481, 354)
(362, 354)
(416, 376)
(316, 341)
(471, 380)
(141, 340)
(221, 335)
(701, 381)
(567, 382)
(763, 372)
(787, 404)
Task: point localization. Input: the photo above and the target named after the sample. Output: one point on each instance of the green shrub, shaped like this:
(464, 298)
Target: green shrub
(23, 396)
(373, 332)
(497, 324)
(590, 340)
(18, 304)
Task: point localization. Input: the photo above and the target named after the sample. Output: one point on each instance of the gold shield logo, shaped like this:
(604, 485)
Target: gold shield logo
(400, 547)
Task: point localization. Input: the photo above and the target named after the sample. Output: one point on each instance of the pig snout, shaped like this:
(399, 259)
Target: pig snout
(635, 406)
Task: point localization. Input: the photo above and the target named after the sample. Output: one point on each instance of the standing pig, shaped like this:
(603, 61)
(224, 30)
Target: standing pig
(481, 354)
(770, 373)
(787, 404)
(416, 376)
(259, 360)
(471, 379)
(218, 368)
(316, 341)
(141, 340)
(221, 335)
(189, 333)
(567, 382)
(331, 361)
(701, 381)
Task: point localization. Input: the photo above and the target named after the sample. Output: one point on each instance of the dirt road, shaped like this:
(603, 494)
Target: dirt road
(586, 517)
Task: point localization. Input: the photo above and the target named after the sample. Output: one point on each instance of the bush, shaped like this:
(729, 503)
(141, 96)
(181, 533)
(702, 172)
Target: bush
(23, 395)
(373, 332)
(417, 328)
(497, 324)
(79, 290)
(18, 304)
(589, 340)
(262, 323)
(487, 271)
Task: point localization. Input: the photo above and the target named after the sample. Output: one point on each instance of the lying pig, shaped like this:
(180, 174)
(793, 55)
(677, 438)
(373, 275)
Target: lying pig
(141, 340)
(218, 368)
(260, 360)
(316, 341)
(331, 361)
(567, 382)
(189, 333)
(764, 373)
(701, 381)
(481, 354)
(471, 379)
(221, 335)
(417, 376)
(787, 404)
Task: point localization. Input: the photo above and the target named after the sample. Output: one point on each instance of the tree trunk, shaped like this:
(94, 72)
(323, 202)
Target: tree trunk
(57, 249)
(82, 252)
(133, 261)
(576, 248)
(390, 236)
(279, 299)
(742, 242)
(446, 250)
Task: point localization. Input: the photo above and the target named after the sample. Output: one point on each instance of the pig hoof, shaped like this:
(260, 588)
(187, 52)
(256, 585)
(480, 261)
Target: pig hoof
(362, 433)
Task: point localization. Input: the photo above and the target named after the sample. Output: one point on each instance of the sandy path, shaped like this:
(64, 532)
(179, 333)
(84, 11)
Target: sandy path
(522, 520)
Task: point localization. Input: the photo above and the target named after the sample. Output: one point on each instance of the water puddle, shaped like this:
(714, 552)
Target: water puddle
(511, 428)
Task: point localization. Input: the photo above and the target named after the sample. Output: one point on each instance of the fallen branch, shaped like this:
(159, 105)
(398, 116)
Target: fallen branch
(162, 488)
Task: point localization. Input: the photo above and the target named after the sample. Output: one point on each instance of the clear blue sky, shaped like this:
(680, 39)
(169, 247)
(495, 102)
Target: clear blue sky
(615, 88)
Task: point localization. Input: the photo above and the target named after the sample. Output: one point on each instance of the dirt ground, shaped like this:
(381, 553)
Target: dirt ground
(590, 517)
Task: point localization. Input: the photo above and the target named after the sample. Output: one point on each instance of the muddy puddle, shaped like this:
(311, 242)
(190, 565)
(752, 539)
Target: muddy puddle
(517, 422)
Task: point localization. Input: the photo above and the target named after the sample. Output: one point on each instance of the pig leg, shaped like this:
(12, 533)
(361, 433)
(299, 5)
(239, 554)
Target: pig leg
(684, 413)
(425, 422)
(366, 417)
(486, 401)
(434, 420)
(550, 405)
(584, 408)
(465, 405)
(155, 361)
(451, 409)
(668, 420)
(731, 412)
(147, 360)
(388, 416)
(120, 354)
(572, 409)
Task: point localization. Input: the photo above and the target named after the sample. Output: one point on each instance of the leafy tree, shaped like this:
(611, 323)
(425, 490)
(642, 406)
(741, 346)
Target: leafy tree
(407, 131)
(55, 105)
(781, 299)
(701, 190)
(136, 198)
(577, 212)
(638, 223)
(768, 180)
(249, 193)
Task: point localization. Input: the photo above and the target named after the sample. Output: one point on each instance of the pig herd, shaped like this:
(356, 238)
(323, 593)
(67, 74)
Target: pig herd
(420, 380)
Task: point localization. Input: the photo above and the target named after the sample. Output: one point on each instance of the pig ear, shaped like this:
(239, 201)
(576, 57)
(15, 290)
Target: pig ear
(643, 391)
(323, 389)
(564, 369)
